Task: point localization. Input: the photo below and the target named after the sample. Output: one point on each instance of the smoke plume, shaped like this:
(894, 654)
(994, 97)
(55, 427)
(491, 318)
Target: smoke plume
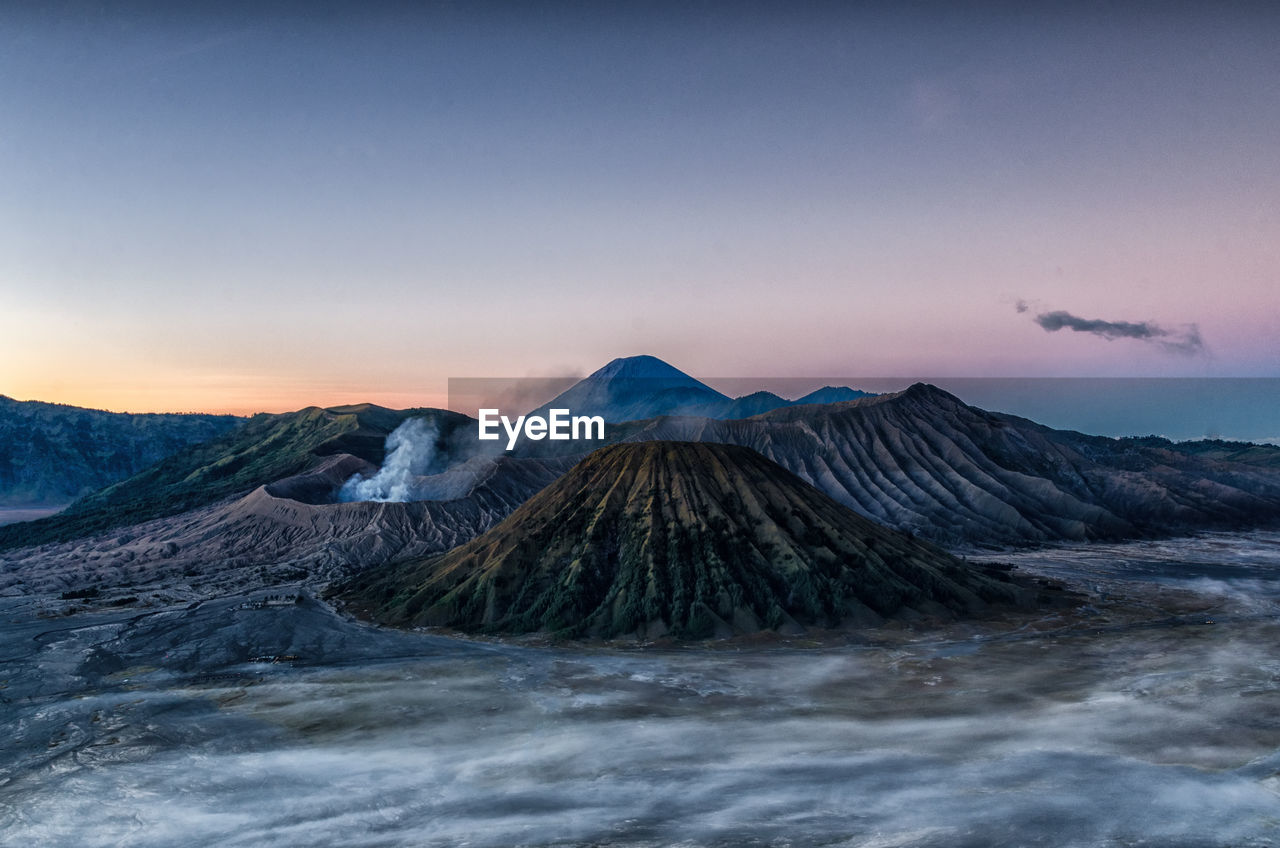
(1186, 341)
(410, 449)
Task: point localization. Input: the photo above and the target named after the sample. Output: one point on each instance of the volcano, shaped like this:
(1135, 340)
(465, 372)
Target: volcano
(639, 387)
(635, 388)
(691, 539)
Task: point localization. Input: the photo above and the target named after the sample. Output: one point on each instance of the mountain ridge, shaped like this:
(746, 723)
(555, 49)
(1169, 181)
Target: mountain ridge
(52, 453)
(640, 387)
(695, 539)
(920, 459)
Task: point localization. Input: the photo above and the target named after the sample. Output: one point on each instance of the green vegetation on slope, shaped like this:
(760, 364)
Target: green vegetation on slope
(691, 538)
(53, 453)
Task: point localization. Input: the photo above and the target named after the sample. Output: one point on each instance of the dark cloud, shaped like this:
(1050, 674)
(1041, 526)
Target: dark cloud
(1186, 341)
(1059, 320)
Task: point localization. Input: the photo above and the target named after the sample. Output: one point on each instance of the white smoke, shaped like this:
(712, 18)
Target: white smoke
(410, 449)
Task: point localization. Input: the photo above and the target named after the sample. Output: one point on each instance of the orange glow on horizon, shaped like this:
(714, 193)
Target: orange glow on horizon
(153, 399)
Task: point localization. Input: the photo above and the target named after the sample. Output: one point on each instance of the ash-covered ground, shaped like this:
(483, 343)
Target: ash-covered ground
(1148, 715)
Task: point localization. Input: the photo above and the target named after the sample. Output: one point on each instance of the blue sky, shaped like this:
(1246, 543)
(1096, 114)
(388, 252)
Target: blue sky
(230, 208)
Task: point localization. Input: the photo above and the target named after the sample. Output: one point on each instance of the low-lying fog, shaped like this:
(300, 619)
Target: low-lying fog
(1155, 721)
(15, 514)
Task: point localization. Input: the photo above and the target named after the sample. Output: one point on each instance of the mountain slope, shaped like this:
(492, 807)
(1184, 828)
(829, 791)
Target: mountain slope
(52, 453)
(695, 538)
(756, 403)
(920, 460)
(923, 460)
(831, 394)
(264, 450)
(637, 387)
(1246, 453)
(280, 533)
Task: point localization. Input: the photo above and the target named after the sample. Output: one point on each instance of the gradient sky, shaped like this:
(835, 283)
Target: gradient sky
(241, 210)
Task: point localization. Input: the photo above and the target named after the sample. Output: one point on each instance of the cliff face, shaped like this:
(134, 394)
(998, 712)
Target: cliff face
(695, 539)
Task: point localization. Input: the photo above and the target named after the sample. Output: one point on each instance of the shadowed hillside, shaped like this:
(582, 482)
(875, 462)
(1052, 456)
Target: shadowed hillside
(695, 539)
(51, 453)
(923, 460)
(919, 460)
(1247, 453)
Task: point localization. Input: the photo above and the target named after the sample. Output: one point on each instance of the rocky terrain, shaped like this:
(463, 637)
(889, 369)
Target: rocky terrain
(923, 460)
(267, 449)
(263, 499)
(279, 533)
(695, 539)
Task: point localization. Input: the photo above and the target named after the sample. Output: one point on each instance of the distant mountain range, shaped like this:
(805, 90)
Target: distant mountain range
(918, 460)
(52, 454)
(923, 460)
(694, 539)
(639, 387)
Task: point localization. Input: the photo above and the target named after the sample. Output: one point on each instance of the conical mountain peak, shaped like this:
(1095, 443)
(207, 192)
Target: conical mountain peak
(639, 387)
(695, 539)
(643, 367)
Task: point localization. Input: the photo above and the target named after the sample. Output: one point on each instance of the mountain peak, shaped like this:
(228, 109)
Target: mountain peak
(831, 394)
(642, 367)
(634, 388)
(928, 391)
(692, 538)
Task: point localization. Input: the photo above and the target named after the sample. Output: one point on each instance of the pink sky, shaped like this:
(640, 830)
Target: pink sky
(201, 214)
